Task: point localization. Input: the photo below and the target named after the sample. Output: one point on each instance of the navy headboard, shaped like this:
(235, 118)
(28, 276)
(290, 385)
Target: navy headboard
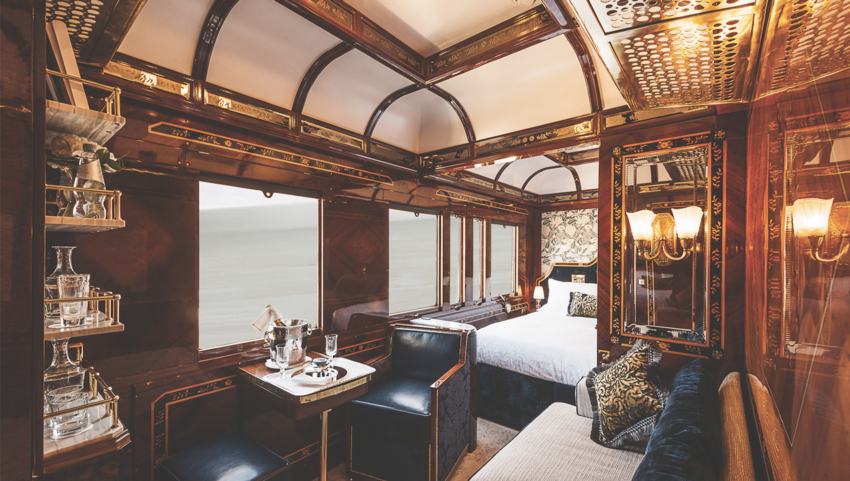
(564, 272)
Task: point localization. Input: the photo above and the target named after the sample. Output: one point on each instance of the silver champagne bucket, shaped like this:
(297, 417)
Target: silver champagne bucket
(294, 334)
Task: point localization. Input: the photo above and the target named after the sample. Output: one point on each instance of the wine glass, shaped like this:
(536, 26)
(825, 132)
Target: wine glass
(282, 353)
(330, 346)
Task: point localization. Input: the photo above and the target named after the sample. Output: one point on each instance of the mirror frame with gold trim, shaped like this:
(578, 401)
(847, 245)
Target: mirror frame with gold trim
(715, 219)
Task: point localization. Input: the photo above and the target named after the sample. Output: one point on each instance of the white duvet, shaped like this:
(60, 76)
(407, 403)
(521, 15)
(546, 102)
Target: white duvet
(545, 345)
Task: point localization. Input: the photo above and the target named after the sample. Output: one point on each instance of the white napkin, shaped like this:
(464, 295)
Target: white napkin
(268, 315)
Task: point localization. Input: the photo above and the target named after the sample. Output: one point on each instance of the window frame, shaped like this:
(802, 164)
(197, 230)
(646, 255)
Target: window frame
(514, 253)
(438, 298)
(244, 348)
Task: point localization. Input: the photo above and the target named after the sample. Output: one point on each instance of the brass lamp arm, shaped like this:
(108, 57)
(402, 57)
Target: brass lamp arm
(815, 254)
(685, 252)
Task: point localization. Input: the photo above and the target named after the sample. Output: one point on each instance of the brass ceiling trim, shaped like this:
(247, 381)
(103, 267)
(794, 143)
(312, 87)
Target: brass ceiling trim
(197, 136)
(631, 117)
(704, 53)
(479, 201)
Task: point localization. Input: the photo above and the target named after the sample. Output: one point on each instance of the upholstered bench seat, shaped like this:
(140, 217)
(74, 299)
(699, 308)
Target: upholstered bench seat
(233, 457)
(556, 446)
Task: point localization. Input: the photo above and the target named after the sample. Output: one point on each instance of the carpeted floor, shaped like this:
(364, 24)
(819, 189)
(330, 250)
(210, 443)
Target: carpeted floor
(491, 438)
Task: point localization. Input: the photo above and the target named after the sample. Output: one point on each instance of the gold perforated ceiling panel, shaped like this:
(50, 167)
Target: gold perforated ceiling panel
(664, 53)
(806, 40)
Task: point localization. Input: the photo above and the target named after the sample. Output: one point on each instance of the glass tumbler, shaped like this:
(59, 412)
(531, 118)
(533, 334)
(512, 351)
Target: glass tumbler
(282, 354)
(72, 286)
(72, 423)
(330, 346)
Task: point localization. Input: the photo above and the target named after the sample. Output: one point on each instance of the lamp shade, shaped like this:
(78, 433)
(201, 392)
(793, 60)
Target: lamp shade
(641, 223)
(688, 221)
(538, 293)
(811, 216)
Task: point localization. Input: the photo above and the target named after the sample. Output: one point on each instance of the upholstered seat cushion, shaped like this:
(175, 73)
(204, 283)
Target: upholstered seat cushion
(233, 457)
(686, 442)
(557, 447)
(398, 408)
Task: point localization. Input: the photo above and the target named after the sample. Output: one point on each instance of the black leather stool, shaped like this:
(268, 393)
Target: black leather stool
(233, 457)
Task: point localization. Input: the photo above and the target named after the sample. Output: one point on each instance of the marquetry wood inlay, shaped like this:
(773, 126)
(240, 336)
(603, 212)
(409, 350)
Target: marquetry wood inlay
(543, 135)
(630, 117)
(478, 201)
(332, 135)
(537, 21)
(380, 40)
(259, 113)
(335, 11)
(197, 136)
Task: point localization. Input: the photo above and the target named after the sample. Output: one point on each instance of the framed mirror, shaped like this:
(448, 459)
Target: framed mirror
(668, 221)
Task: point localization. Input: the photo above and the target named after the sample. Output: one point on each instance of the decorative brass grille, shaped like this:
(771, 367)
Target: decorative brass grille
(807, 40)
(616, 15)
(79, 17)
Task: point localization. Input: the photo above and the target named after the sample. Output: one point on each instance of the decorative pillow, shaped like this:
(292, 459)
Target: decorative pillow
(626, 396)
(582, 305)
(558, 299)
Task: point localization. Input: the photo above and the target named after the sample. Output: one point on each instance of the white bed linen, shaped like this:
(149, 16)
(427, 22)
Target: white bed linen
(546, 345)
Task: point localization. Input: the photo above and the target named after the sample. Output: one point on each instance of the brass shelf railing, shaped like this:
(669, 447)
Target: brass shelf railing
(105, 303)
(113, 101)
(96, 386)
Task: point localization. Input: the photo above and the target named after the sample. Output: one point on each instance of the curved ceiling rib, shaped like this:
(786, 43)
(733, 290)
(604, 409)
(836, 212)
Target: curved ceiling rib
(464, 117)
(588, 68)
(499, 174)
(385, 104)
(576, 178)
(452, 101)
(524, 185)
(313, 73)
(209, 33)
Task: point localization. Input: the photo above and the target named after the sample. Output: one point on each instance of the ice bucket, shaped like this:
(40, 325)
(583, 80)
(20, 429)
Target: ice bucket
(292, 332)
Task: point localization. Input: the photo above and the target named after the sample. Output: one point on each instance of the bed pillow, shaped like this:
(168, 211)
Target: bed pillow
(627, 397)
(582, 305)
(559, 294)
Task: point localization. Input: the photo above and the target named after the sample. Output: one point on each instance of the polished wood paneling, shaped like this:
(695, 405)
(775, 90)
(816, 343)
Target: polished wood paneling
(22, 64)
(734, 124)
(801, 399)
(153, 264)
(356, 260)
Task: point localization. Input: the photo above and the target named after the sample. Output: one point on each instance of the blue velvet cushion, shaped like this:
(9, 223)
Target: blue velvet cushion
(685, 444)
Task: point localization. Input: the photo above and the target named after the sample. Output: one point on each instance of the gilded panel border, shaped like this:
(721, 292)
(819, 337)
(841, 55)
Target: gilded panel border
(484, 202)
(715, 219)
(197, 136)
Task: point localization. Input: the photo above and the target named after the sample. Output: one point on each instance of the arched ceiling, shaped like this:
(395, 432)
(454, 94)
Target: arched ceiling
(429, 26)
(166, 33)
(536, 86)
(264, 49)
(542, 176)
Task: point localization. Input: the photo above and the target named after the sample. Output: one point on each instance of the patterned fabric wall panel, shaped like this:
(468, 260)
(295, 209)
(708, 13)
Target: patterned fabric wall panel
(568, 236)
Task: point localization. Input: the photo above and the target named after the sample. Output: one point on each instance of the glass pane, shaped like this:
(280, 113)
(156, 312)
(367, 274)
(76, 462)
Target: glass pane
(503, 259)
(254, 252)
(413, 261)
(456, 267)
(477, 266)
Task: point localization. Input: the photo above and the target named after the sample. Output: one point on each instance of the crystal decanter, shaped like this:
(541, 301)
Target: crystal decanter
(51, 284)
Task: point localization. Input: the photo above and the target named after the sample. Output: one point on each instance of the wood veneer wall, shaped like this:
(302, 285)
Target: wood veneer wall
(803, 407)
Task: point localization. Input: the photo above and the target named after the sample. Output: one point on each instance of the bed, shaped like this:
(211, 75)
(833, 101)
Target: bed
(527, 363)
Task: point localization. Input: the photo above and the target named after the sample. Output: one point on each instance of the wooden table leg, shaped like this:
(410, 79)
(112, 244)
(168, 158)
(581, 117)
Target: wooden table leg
(323, 468)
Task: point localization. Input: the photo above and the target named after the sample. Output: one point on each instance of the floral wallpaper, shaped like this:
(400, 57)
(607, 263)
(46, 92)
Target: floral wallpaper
(569, 236)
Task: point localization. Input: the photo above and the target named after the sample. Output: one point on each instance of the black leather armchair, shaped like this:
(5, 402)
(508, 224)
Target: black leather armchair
(414, 424)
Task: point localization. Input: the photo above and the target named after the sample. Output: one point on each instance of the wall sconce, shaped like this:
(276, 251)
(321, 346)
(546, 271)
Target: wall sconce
(649, 229)
(811, 219)
(538, 295)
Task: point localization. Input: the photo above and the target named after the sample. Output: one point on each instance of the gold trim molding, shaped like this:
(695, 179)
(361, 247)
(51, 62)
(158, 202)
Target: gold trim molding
(248, 110)
(148, 79)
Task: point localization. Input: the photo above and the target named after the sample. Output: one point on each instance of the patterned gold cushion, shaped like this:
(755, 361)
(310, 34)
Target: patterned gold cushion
(626, 396)
(582, 305)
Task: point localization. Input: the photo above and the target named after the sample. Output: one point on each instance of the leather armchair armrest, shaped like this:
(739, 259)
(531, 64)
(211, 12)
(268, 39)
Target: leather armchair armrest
(383, 367)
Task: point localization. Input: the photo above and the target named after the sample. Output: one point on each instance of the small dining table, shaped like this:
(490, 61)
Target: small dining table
(297, 398)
